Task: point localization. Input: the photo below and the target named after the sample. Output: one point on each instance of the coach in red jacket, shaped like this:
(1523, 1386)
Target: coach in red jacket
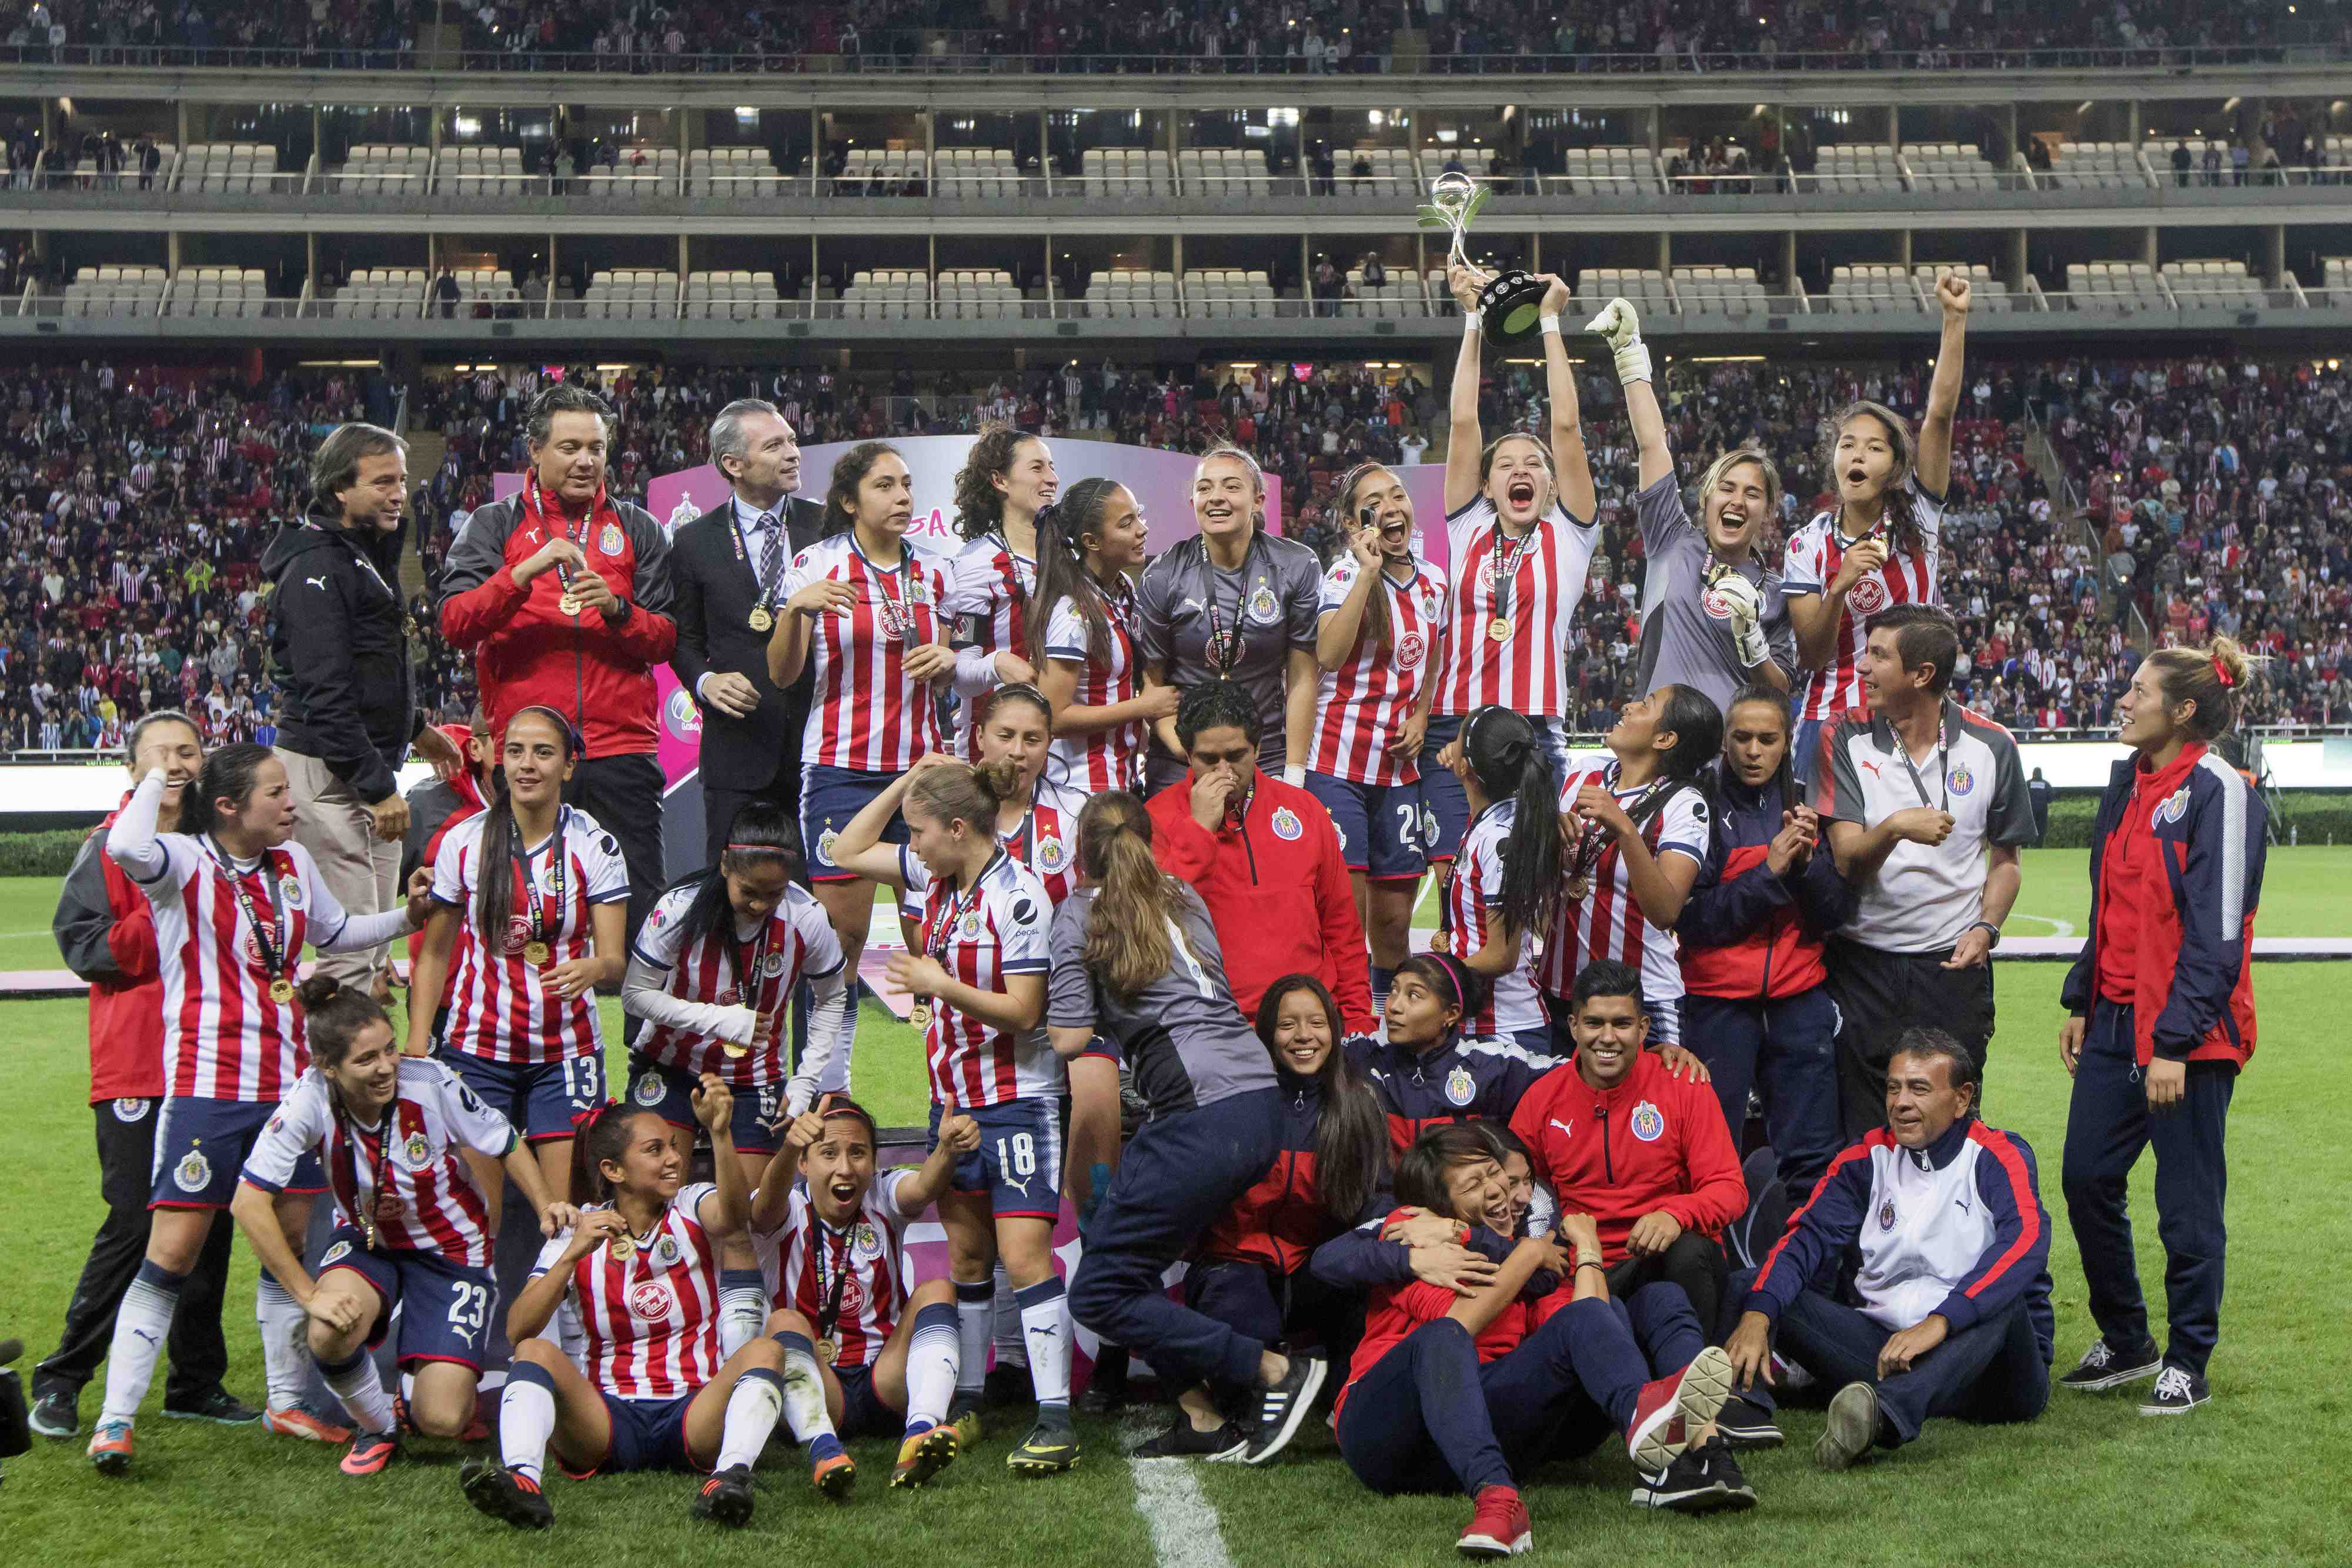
(2163, 1006)
(1264, 858)
(1615, 1134)
(564, 595)
(106, 933)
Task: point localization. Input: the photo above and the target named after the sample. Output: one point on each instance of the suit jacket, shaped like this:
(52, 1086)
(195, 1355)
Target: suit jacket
(713, 594)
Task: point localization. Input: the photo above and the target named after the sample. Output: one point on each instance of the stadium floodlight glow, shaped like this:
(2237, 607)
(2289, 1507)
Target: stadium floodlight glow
(1376, 117)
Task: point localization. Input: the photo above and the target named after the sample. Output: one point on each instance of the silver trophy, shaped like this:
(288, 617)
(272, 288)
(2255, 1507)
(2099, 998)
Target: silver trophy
(1511, 301)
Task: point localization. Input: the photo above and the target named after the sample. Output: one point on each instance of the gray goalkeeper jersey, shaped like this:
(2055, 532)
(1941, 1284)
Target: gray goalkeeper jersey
(1682, 644)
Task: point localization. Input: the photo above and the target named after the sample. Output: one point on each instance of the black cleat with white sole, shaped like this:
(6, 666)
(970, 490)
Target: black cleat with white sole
(2177, 1391)
(1746, 1424)
(2104, 1367)
(1282, 1407)
(1702, 1479)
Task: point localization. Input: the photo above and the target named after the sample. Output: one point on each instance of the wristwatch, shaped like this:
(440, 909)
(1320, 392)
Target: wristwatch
(1992, 932)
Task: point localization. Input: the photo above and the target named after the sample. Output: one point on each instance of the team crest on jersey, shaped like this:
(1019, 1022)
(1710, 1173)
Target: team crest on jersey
(1960, 781)
(665, 1250)
(1411, 651)
(918, 591)
(824, 843)
(866, 1242)
(417, 1152)
(1342, 832)
(518, 934)
(1459, 1087)
(651, 1299)
(612, 541)
(2175, 807)
(773, 965)
(289, 888)
(1261, 607)
(650, 1089)
(969, 927)
(335, 1254)
(1887, 1213)
(1287, 825)
(192, 1173)
(1867, 597)
(1051, 856)
(1647, 1123)
(1428, 829)
(133, 1110)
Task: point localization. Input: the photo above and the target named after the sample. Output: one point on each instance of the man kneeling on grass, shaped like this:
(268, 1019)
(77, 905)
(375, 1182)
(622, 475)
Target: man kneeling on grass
(1947, 1313)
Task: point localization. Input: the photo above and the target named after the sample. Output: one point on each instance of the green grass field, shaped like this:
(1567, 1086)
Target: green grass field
(2256, 1477)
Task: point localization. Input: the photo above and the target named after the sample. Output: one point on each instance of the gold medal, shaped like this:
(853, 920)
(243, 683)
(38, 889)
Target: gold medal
(568, 605)
(281, 990)
(827, 1350)
(1441, 941)
(534, 954)
(1577, 886)
(1499, 629)
(623, 1248)
(735, 1052)
(760, 620)
(919, 1015)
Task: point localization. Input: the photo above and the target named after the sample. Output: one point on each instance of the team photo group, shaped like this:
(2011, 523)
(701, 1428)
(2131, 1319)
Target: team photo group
(1681, 1113)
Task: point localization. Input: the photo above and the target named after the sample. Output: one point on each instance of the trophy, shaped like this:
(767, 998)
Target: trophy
(1511, 302)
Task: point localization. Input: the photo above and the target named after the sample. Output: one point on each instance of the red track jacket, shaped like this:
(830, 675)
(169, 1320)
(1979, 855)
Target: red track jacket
(107, 933)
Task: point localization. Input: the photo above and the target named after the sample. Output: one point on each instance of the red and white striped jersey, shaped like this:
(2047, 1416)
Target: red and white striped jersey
(795, 941)
(224, 1038)
(499, 1007)
(433, 1117)
(1608, 922)
(1104, 758)
(987, 607)
(1474, 889)
(998, 929)
(1526, 672)
(651, 1321)
(1046, 842)
(1814, 553)
(804, 1261)
(1366, 701)
(866, 713)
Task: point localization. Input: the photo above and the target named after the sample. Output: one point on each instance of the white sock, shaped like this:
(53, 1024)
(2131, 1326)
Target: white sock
(803, 1390)
(975, 1316)
(742, 1308)
(355, 1383)
(752, 1412)
(933, 1355)
(1012, 1349)
(284, 1350)
(1045, 1325)
(141, 1325)
(526, 1420)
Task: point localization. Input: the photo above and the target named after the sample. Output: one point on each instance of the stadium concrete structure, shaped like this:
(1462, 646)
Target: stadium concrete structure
(764, 216)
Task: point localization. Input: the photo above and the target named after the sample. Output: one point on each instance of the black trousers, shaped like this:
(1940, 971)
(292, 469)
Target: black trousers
(1881, 994)
(624, 795)
(1694, 1262)
(126, 1163)
(719, 804)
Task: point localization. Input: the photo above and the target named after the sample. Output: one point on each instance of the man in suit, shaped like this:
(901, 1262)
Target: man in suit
(728, 567)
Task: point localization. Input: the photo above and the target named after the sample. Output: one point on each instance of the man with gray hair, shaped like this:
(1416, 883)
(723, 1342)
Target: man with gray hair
(347, 710)
(727, 568)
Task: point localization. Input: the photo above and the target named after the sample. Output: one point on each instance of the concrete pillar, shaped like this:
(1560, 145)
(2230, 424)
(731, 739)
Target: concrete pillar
(685, 262)
(2008, 127)
(817, 159)
(2017, 266)
(1654, 129)
(1788, 261)
(1046, 148)
(2275, 253)
(2131, 122)
(2147, 246)
(1903, 248)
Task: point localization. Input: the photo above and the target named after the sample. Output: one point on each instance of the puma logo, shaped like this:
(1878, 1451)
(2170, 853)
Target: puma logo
(318, 582)
(1021, 1184)
(1567, 1129)
(1872, 767)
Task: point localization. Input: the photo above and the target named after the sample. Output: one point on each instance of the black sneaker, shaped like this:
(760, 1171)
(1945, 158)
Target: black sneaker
(502, 1494)
(1282, 1408)
(1051, 1446)
(1006, 1385)
(57, 1414)
(1186, 1441)
(1107, 1390)
(1704, 1479)
(725, 1498)
(2103, 1366)
(2178, 1392)
(219, 1407)
(1746, 1424)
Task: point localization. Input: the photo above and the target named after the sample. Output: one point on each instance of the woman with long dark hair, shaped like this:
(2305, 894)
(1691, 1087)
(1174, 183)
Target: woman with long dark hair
(1429, 1064)
(530, 901)
(1088, 545)
(1006, 480)
(1507, 880)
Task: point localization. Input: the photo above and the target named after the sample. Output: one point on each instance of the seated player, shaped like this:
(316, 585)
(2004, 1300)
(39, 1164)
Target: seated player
(413, 1234)
(640, 1273)
(1426, 1071)
(1935, 1225)
(831, 1236)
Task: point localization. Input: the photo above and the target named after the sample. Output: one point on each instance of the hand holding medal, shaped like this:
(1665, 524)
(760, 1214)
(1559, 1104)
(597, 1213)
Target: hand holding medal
(601, 1227)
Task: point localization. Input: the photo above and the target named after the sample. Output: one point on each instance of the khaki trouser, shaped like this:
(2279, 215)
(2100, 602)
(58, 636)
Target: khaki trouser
(362, 871)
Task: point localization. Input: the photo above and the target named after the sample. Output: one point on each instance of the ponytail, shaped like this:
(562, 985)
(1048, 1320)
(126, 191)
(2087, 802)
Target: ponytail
(1376, 626)
(1128, 941)
(1500, 749)
(601, 1134)
(2214, 678)
(332, 1015)
(1062, 572)
(494, 897)
(1785, 779)
(966, 792)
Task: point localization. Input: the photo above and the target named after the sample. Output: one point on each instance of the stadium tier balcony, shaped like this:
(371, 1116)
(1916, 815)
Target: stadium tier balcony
(1399, 297)
(231, 167)
(1939, 167)
(736, 294)
(1606, 172)
(379, 294)
(2097, 166)
(635, 173)
(217, 291)
(115, 291)
(385, 169)
(1227, 294)
(630, 294)
(1124, 172)
(732, 173)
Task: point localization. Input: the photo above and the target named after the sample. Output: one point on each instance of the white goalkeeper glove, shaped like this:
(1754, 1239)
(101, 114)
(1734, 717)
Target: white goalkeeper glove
(1729, 597)
(1621, 328)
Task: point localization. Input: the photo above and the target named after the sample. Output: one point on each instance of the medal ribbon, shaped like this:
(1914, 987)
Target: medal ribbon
(748, 970)
(543, 924)
(1595, 842)
(766, 574)
(829, 1315)
(936, 935)
(897, 621)
(1506, 569)
(265, 935)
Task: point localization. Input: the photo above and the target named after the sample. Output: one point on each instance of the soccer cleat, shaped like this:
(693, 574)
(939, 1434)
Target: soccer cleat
(924, 1454)
(2177, 1391)
(1499, 1525)
(1282, 1407)
(109, 1447)
(219, 1407)
(1852, 1428)
(725, 1498)
(296, 1422)
(835, 1477)
(1746, 1424)
(502, 1494)
(964, 1415)
(1700, 1479)
(2103, 1366)
(57, 1414)
(1669, 1409)
(1186, 1441)
(1051, 1448)
(370, 1452)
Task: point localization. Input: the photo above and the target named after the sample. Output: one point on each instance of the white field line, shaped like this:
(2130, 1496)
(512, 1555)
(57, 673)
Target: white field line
(1185, 1532)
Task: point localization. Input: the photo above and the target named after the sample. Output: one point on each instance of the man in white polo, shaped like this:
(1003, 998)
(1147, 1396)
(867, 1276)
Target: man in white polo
(1926, 809)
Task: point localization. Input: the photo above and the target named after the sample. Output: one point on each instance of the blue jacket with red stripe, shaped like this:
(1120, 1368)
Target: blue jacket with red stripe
(1956, 1227)
(1746, 933)
(2192, 975)
(1280, 1220)
(1461, 1081)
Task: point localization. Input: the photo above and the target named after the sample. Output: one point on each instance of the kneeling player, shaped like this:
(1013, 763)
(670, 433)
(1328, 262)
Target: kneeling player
(641, 1271)
(829, 1235)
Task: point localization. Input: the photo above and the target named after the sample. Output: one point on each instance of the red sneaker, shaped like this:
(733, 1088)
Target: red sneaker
(1668, 1410)
(296, 1422)
(1499, 1525)
(370, 1452)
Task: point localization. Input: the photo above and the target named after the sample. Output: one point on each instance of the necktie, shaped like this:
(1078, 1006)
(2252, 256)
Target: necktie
(772, 555)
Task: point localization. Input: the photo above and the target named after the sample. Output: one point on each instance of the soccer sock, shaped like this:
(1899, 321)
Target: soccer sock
(933, 1353)
(526, 1419)
(355, 1383)
(1004, 1315)
(1381, 980)
(284, 1350)
(141, 1325)
(742, 1308)
(803, 1387)
(752, 1412)
(975, 1313)
(1045, 1325)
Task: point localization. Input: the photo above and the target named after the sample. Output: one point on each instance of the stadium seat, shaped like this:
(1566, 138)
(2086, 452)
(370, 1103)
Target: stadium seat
(2213, 285)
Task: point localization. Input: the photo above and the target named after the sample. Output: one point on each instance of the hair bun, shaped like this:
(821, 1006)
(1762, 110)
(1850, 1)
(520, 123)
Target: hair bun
(317, 991)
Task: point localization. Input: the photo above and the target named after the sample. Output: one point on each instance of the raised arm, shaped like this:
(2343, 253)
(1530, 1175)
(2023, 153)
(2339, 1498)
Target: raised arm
(1464, 440)
(1568, 453)
(1622, 327)
(1933, 469)
(860, 847)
